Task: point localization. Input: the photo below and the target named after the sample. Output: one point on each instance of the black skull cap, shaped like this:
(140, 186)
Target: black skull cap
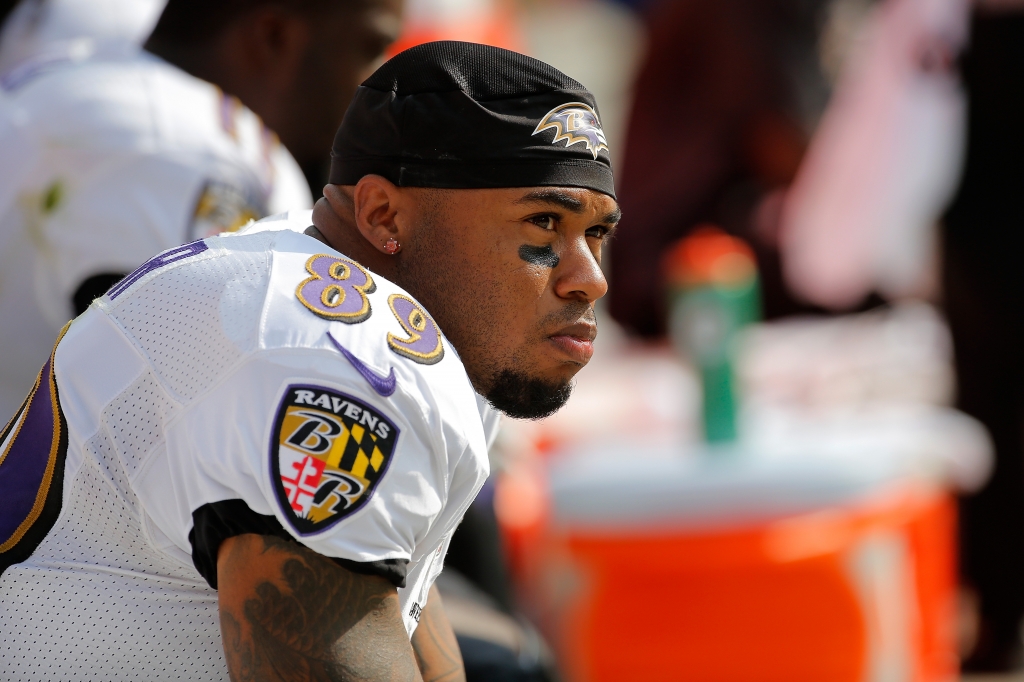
(460, 115)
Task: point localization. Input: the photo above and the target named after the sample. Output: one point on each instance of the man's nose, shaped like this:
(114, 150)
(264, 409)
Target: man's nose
(578, 275)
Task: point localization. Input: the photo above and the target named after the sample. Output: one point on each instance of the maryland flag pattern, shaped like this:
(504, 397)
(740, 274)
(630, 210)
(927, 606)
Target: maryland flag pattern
(328, 451)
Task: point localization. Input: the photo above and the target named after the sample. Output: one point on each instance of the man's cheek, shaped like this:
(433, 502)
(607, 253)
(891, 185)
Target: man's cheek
(525, 282)
(541, 278)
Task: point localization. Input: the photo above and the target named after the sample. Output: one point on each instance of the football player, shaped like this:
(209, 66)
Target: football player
(124, 152)
(249, 456)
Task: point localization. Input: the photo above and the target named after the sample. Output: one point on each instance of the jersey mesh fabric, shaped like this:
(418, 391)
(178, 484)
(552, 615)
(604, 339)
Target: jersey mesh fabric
(95, 580)
(135, 421)
(177, 320)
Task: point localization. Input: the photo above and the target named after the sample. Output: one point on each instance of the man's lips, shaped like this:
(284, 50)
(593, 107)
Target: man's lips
(576, 341)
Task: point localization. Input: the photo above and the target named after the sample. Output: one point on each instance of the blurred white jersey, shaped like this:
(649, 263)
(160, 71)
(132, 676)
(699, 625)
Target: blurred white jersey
(47, 28)
(259, 382)
(114, 158)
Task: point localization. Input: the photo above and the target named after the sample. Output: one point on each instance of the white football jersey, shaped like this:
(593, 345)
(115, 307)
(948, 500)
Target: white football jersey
(37, 28)
(115, 157)
(258, 382)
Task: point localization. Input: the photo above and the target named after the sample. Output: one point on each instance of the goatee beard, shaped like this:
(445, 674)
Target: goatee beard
(523, 397)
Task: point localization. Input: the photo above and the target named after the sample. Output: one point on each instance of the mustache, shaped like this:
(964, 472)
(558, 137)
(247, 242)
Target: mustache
(572, 313)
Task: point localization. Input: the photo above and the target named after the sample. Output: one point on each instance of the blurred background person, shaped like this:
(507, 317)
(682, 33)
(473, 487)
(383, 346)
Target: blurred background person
(908, 134)
(297, 71)
(122, 153)
(983, 292)
(883, 163)
(724, 103)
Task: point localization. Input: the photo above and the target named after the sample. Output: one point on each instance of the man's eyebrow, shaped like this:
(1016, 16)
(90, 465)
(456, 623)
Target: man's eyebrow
(566, 201)
(552, 196)
(612, 218)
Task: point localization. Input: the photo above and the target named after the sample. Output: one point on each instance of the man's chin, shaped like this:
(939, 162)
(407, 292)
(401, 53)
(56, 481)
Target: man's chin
(523, 397)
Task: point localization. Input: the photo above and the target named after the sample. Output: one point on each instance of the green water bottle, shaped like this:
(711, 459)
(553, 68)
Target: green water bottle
(713, 293)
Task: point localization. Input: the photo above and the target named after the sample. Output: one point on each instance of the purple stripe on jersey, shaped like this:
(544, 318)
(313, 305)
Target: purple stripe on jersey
(383, 385)
(24, 465)
(158, 261)
(23, 73)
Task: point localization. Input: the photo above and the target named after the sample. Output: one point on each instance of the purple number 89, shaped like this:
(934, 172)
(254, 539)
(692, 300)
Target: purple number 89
(423, 344)
(336, 289)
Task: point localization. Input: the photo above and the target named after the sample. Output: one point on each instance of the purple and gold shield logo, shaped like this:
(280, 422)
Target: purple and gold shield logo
(575, 122)
(328, 452)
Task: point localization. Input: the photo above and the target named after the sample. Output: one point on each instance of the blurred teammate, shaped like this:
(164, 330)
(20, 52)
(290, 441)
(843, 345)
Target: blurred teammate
(125, 153)
(743, 86)
(49, 28)
(262, 415)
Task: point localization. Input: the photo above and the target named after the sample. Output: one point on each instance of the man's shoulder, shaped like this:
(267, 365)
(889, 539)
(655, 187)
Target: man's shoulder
(315, 288)
(321, 299)
(280, 296)
(129, 101)
(202, 269)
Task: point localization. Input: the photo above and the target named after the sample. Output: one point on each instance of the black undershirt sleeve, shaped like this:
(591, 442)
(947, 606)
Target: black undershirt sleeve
(93, 288)
(214, 523)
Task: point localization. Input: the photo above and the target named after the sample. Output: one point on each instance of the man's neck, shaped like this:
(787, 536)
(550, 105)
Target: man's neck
(342, 235)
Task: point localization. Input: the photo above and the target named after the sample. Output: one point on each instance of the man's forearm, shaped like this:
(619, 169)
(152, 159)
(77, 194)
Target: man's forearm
(437, 651)
(288, 613)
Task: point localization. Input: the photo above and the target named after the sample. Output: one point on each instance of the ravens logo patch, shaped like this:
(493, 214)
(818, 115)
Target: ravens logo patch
(223, 208)
(328, 451)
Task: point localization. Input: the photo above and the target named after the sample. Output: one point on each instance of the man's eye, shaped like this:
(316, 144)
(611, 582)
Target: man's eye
(546, 222)
(598, 231)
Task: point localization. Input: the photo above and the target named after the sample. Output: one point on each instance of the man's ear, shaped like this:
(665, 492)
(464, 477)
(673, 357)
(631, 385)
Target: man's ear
(376, 203)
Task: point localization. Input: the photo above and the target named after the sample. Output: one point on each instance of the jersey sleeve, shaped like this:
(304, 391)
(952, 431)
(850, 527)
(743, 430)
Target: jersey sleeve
(299, 445)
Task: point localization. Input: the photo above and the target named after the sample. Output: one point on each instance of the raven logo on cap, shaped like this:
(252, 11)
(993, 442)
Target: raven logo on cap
(575, 122)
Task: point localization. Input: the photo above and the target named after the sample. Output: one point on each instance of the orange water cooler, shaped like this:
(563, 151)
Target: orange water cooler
(733, 567)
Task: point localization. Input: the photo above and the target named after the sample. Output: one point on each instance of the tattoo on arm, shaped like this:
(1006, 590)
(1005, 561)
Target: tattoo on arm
(288, 613)
(437, 651)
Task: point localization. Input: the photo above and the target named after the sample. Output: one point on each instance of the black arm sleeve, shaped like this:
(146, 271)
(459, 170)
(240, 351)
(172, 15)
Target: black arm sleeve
(214, 523)
(93, 288)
